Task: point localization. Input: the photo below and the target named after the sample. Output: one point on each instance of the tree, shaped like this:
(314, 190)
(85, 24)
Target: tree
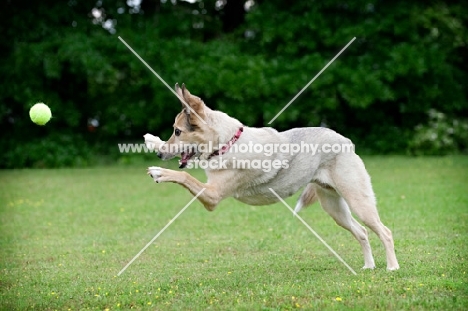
(406, 60)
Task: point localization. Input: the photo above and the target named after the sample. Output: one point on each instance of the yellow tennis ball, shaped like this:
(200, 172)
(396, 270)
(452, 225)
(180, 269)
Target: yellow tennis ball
(40, 113)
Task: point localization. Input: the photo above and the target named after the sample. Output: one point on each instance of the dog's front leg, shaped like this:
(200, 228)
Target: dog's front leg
(153, 143)
(209, 198)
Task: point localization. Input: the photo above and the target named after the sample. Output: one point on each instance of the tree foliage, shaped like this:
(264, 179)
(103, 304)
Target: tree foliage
(408, 58)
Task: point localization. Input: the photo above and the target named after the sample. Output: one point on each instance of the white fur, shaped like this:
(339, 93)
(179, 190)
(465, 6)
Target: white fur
(338, 180)
(153, 142)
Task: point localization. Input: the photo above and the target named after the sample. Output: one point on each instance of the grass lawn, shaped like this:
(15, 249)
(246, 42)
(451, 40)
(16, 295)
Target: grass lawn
(65, 234)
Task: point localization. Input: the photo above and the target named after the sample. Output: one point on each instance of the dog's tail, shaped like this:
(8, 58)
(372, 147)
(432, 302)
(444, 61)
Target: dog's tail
(308, 197)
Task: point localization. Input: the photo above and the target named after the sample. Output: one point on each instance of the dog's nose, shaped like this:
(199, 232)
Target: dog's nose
(159, 154)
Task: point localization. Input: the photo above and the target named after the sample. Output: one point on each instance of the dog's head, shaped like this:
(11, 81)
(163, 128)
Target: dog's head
(191, 130)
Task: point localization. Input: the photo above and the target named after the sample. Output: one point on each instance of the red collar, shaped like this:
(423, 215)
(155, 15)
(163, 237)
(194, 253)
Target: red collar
(226, 147)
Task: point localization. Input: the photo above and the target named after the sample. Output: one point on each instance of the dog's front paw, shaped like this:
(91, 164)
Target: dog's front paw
(153, 143)
(155, 172)
(160, 175)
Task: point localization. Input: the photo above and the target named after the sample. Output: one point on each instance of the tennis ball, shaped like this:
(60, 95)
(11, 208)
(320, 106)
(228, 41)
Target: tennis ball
(40, 113)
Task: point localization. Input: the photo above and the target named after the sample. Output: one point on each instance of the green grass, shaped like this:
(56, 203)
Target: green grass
(65, 234)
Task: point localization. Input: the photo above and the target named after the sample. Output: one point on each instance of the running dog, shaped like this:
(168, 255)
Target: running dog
(245, 162)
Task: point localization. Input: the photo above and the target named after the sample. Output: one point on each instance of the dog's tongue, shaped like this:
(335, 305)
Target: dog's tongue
(184, 160)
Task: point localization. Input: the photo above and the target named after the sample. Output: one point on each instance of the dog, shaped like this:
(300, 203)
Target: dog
(338, 180)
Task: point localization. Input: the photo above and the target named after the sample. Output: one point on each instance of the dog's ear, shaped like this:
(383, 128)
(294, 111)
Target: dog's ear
(190, 104)
(193, 101)
(181, 97)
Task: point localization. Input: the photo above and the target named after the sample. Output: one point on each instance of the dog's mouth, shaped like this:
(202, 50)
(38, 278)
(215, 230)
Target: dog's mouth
(185, 157)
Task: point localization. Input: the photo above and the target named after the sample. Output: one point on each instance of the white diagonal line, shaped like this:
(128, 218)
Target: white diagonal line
(310, 82)
(315, 233)
(161, 79)
(160, 232)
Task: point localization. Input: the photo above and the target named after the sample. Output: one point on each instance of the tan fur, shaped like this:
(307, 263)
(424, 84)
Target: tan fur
(339, 181)
(308, 196)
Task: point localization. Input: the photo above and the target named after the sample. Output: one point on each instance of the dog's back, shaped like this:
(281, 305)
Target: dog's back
(318, 149)
(318, 159)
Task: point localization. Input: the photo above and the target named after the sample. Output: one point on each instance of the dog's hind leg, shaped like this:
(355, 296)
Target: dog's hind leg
(365, 208)
(355, 187)
(337, 208)
(308, 197)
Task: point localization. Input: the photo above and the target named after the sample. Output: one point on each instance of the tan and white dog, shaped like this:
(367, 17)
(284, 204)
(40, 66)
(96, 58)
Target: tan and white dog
(264, 160)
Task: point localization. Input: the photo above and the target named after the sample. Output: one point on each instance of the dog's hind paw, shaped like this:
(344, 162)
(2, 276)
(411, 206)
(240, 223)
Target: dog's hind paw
(154, 172)
(393, 268)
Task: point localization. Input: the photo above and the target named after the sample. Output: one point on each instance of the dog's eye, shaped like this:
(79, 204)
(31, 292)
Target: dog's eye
(177, 132)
